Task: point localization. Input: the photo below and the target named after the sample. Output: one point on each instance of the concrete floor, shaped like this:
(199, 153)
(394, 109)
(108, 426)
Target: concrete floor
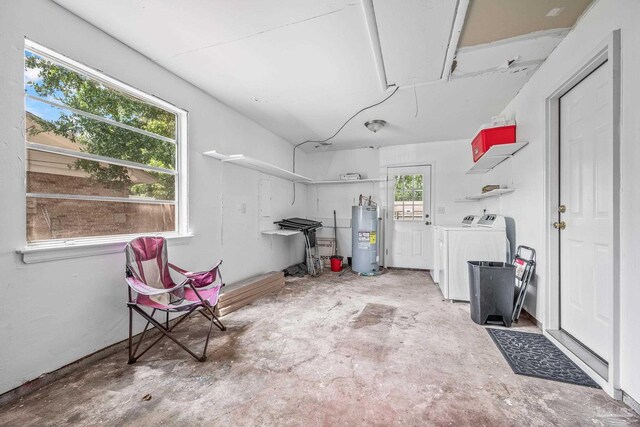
(326, 351)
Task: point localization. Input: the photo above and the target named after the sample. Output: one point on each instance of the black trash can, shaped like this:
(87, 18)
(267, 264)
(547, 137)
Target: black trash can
(491, 286)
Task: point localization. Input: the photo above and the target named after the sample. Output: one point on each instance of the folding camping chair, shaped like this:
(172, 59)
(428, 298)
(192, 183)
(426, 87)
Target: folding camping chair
(152, 288)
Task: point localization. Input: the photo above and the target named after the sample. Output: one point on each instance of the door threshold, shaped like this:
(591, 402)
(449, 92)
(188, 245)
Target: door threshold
(595, 362)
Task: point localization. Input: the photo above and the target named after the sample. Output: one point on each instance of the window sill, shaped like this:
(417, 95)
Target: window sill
(80, 249)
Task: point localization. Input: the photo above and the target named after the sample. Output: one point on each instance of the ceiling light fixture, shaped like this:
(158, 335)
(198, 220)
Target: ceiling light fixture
(375, 125)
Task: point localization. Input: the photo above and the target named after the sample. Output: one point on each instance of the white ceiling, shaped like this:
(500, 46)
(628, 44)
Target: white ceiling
(300, 68)
(414, 36)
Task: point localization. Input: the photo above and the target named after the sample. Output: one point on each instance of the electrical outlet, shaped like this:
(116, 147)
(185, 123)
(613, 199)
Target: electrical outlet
(242, 208)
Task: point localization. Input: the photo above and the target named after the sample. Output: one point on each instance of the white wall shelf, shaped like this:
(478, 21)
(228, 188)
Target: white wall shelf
(493, 193)
(494, 156)
(281, 232)
(269, 169)
(347, 181)
(258, 165)
(215, 155)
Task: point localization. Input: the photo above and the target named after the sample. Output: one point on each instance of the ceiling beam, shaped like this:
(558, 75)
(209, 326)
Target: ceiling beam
(454, 38)
(372, 26)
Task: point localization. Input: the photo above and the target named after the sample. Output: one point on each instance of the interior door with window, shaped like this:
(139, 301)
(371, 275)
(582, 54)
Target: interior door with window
(409, 241)
(585, 221)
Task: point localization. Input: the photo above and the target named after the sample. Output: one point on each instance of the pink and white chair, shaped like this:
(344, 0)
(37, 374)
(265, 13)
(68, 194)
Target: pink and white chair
(151, 288)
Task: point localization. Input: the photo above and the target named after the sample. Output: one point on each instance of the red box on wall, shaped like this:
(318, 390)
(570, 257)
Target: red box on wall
(489, 137)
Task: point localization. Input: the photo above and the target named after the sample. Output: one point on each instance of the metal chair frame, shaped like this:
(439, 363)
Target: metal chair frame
(184, 297)
(166, 330)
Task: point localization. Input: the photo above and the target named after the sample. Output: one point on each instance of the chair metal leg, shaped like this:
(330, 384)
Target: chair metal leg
(165, 330)
(166, 333)
(139, 355)
(206, 343)
(207, 305)
(132, 356)
(131, 359)
(217, 322)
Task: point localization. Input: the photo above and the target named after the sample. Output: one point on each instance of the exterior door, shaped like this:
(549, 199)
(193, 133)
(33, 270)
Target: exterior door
(409, 240)
(586, 197)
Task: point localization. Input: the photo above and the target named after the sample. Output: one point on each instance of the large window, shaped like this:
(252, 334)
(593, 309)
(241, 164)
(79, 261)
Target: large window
(102, 158)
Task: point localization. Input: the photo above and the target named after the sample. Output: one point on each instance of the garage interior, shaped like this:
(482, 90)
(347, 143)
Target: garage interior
(319, 212)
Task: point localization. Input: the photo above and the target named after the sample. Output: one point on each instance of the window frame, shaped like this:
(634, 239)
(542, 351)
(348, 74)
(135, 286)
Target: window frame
(181, 165)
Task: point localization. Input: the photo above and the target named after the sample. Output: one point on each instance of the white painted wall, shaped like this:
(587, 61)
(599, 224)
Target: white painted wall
(526, 169)
(56, 312)
(323, 199)
(450, 160)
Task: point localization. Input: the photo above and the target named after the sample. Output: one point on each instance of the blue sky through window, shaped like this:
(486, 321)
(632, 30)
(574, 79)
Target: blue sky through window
(40, 109)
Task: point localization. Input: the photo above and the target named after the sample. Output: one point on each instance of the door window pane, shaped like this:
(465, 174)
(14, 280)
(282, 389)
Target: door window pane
(408, 197)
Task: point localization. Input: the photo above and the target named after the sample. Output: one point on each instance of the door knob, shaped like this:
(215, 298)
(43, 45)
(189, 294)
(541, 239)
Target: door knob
(427, 223)
(560, 225)
(562, 208)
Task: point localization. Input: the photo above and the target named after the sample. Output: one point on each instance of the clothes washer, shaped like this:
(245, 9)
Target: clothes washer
(484, 241)
(467, 221)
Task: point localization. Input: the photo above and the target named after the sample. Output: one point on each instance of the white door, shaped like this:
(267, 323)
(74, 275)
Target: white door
(586, 191)
(409, 238)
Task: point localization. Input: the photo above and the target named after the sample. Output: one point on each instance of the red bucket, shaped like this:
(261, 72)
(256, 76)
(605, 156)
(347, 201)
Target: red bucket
(336, 263)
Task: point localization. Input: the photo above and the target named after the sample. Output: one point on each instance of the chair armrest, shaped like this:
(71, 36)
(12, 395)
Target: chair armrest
(201, 278)
(190, 274)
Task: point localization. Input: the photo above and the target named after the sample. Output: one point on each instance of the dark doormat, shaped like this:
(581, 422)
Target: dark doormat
(535, 356)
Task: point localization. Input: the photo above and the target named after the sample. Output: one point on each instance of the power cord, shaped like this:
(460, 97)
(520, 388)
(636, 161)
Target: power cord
(325, 141)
